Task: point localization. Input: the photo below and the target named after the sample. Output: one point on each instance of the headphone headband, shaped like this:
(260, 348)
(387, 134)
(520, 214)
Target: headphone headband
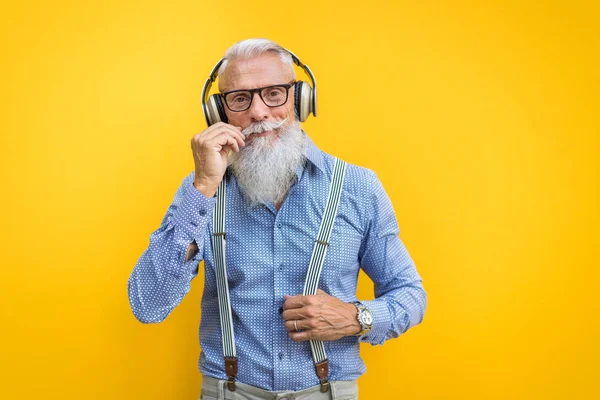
(215, 71)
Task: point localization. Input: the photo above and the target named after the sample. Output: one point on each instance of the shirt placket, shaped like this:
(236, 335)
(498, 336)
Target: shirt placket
(280, 349)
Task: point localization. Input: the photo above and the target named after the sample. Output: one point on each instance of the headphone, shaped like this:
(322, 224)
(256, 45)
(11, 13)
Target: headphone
(305, 96)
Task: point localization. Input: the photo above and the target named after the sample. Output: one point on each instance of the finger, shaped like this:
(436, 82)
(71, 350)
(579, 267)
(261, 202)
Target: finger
(221, 128)
(226, 142)
(291, 326)
(236, 131)
(231, 144)
(293, 314)
(293, 302)
(300, 336)
(238, 137)
(230, 131)
(211, 130)
(220, 125)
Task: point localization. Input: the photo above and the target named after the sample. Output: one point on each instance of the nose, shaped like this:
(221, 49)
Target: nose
(258, 110)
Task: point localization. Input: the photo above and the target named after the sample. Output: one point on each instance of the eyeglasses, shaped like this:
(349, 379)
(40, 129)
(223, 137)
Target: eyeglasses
(272, 96)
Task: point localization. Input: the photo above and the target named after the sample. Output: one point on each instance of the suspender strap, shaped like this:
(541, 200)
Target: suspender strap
(218, 244)
(310, 285)
(316, 263)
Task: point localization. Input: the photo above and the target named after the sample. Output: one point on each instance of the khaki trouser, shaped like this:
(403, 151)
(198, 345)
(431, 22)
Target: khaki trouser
(216, 389)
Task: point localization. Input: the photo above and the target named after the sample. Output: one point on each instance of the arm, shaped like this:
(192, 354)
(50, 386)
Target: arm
(163, 273)
(400, 299)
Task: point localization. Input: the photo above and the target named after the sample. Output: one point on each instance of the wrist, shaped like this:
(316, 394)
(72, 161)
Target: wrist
(207, 189)
(355, 326)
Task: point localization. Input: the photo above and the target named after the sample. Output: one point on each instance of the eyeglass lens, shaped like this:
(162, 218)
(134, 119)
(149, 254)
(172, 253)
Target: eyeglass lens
(272, 96)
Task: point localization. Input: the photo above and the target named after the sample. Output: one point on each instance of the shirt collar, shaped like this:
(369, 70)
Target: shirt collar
(314, 154)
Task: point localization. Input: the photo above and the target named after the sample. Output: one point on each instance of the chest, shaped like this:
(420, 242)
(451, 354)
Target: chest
(264, 242)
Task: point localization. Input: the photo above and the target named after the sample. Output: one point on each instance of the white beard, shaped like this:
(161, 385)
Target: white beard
(264, 170)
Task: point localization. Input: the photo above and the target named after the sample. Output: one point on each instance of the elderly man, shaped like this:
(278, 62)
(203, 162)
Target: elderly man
(282, 318)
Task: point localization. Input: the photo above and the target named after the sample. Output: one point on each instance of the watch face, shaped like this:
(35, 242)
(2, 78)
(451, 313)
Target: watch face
(366, 317)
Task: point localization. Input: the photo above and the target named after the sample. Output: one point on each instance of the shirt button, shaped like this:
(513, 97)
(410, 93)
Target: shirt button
(279, 225)
(281, 267)
(202, 212)
(281, 357)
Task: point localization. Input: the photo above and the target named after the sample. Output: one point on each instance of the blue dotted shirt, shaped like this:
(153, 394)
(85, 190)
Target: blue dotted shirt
(267, 255)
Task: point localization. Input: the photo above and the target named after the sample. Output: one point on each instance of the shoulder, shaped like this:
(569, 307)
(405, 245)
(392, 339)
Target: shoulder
(358, 181)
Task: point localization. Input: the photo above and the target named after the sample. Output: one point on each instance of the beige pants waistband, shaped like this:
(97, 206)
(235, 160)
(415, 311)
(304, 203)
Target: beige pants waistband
(216, 389)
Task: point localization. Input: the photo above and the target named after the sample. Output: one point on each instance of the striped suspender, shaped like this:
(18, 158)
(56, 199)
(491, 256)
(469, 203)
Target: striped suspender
(316, 264)
(310, 285)
(218, 244)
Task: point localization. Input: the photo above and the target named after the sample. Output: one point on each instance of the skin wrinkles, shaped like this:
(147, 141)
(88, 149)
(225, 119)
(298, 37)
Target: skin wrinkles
(319, 317)
(265, 70)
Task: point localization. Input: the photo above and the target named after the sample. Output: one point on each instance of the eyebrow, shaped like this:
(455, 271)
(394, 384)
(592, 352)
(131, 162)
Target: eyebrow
(261, 87)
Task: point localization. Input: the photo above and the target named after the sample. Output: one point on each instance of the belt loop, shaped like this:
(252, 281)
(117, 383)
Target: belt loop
(221, 389)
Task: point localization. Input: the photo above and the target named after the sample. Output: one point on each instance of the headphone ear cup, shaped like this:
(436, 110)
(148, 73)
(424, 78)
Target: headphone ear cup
(216, 110)
(303, 100)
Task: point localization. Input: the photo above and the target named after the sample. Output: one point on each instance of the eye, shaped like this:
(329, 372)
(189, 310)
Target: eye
(239, 99)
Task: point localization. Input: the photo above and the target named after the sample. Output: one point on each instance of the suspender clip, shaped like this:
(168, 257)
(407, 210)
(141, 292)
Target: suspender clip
(322, 369)
(231, 383)
(231, 371)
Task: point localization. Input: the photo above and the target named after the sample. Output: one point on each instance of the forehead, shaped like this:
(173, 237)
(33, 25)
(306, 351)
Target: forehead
(264, 70)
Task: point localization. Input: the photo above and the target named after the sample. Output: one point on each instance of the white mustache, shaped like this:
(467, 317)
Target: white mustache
(263, 126)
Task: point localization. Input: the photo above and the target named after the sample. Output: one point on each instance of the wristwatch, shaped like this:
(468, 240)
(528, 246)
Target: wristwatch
(364, 318)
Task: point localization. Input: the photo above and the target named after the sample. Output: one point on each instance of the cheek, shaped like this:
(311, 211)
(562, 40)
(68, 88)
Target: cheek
(287, 112)
(237, 119)
(290, 109)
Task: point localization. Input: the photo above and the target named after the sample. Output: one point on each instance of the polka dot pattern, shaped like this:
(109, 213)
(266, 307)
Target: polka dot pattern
(267, 254)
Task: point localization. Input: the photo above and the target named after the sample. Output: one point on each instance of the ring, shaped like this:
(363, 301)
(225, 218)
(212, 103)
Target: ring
(295, 326)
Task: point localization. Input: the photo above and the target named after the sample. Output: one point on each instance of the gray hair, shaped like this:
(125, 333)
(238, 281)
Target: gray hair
(251, 48)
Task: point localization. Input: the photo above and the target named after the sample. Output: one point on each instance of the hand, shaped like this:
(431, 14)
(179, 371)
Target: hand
(319, 317)
(210, 149)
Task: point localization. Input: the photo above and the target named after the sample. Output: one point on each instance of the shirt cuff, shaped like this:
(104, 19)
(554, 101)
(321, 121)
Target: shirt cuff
(381, 321)
(194, 212)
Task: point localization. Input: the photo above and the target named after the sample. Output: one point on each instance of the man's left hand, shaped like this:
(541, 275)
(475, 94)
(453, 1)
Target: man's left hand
(319, 317)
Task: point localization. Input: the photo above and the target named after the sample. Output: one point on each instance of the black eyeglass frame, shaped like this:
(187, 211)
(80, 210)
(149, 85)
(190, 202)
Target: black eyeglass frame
(287, 87)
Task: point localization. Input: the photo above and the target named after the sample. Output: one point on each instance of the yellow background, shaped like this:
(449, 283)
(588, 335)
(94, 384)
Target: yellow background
(480, 118)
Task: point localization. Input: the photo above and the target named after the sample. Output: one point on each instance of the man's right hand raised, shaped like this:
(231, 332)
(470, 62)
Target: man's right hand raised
(210, 149)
